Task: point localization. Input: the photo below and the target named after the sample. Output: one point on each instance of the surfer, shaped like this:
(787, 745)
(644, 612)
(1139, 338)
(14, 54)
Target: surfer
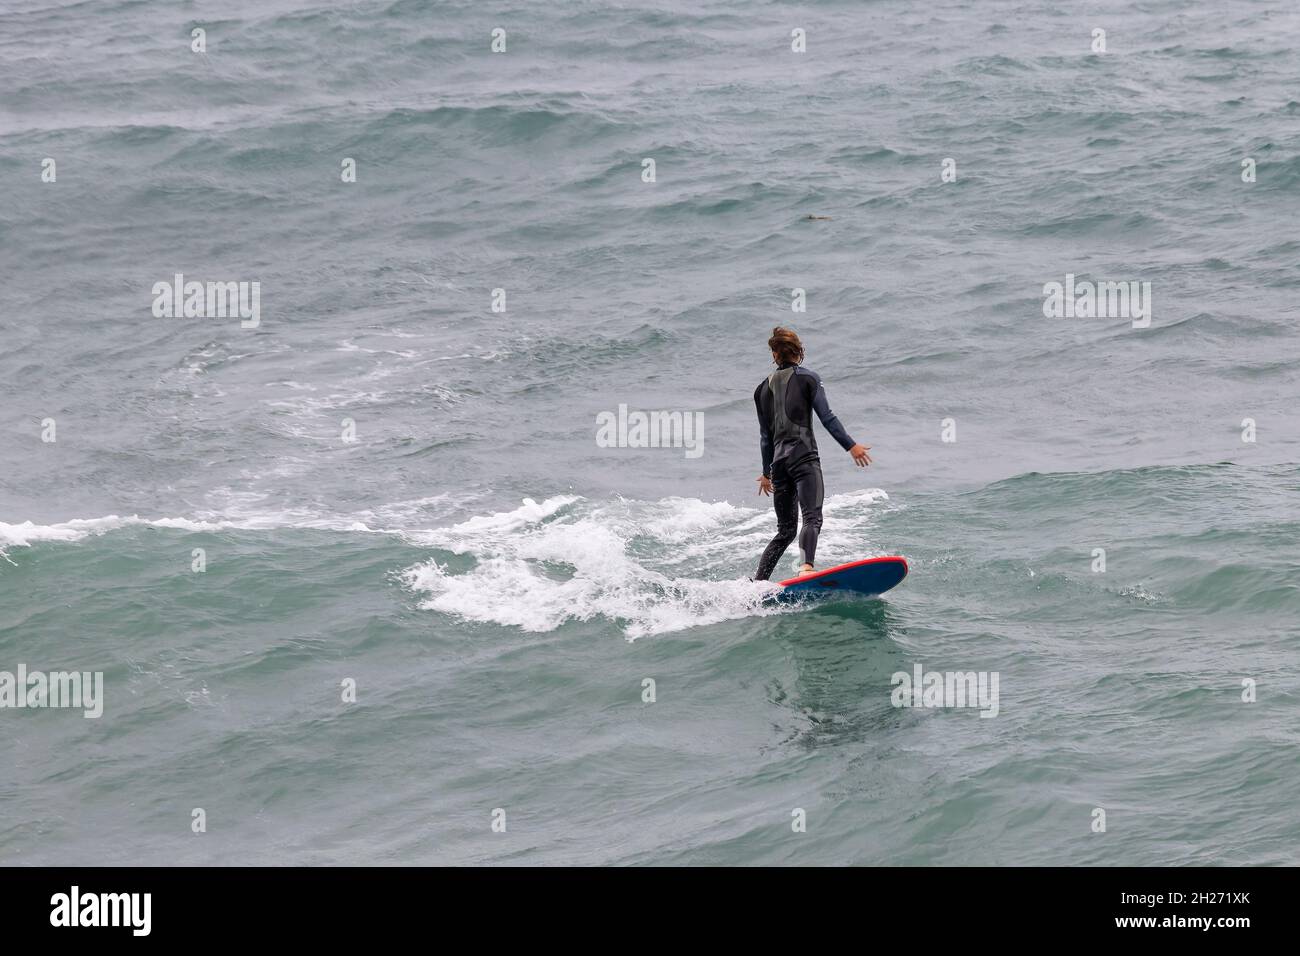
(792, 470)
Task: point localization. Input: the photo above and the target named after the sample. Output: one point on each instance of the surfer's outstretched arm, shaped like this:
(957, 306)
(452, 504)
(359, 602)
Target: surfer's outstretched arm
(764, 441)
(832, 424)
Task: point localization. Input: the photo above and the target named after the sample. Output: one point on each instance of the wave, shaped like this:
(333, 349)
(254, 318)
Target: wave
(244, 511)
(650, 567)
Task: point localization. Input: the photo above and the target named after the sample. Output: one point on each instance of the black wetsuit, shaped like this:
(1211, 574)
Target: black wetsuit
(785, 402)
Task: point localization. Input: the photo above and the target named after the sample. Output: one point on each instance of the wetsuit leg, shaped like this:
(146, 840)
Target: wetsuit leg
(785, 500)
(807, 478)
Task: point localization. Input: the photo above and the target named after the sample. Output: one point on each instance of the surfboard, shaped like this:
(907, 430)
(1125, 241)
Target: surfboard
(865, 578)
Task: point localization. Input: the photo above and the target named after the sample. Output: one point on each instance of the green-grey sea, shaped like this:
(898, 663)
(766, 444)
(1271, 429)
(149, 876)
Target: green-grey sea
(362, 584)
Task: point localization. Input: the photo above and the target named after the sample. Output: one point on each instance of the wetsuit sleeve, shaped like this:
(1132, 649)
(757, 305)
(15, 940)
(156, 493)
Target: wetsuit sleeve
(764, 431)
(832, 424)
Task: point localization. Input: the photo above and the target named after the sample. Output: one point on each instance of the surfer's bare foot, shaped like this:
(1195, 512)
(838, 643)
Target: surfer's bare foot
(806, 569)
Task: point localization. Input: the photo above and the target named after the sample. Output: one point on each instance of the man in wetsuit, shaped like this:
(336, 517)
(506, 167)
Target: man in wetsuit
(792, 470)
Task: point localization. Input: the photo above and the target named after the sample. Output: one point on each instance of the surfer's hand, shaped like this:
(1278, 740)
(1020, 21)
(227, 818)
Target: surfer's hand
(764, 485)
(860, 456)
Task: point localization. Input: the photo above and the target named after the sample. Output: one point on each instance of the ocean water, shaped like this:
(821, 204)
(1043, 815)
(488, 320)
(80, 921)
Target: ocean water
(498, 585)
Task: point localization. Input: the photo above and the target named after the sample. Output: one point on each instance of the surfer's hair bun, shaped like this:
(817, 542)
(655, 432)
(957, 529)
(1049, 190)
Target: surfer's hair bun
(785, 344)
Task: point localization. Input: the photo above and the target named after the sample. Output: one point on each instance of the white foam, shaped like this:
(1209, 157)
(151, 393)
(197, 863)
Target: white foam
(645, 565)
(244, 511)
(347, 345)
(488, 526)
(685, 519)
(512, 592)
(25, 534)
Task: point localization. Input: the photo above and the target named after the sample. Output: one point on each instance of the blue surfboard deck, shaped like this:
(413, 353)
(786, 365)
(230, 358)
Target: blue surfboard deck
(865, 578)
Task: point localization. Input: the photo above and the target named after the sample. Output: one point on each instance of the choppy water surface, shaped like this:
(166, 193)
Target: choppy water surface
(497, 584)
